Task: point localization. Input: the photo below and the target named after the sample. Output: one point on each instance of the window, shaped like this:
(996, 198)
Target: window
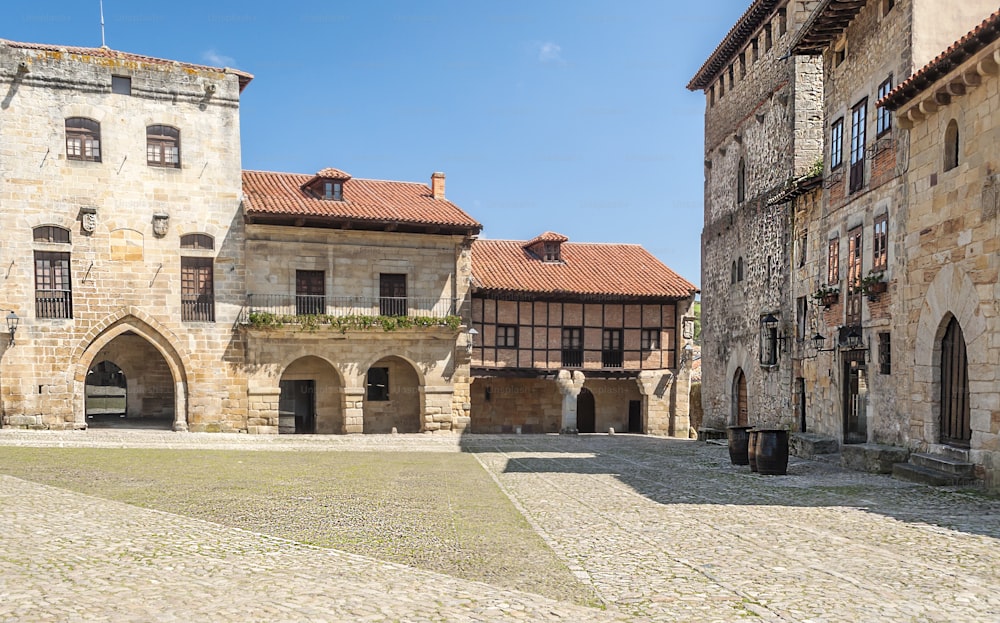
(833, 262)
(197, 290)
(801, 317)
(880, 240)
(803, 243)
(203, 242)
(722, 87)
(53, 289)
(392, 294)
(650, 340)
(768, 341)
(122, 85)
(378, 384)
(782, 22)
(767, 36)
(884, 353)
(839, 52)
(572, 347)
(711, 95)
(83, 139)
(732, 76)
(854, 238)
(551, 252)
(333, 191)
(743, 65)
(887, 6)
(310, 290)
(951, 146)
(836, 143)
(754, 50)
(611, 352)
(163, 146)
(858, 119)
(732, 275)
(506, 336)
(739, 269)
(741, 181)
(883, 120)
(50, 233)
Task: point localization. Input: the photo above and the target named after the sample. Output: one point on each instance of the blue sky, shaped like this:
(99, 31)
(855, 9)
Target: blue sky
(563, 115)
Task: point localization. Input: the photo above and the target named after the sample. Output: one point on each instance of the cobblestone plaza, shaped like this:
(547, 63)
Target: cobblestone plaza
(664, 530)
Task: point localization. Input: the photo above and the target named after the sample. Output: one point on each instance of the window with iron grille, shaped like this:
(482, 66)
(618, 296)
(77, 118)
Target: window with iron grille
(310, 291)
(612, 355)
(880, 243)
(392, 294)
(572, 347)
(163, 146)
(197, 290)
(883, 121)
(650, 340)
(884, 353)
(53, 288)
(506, 336)
(833, 262)
(83, 139)
(859, 115)
(378, 384)
(836, 143)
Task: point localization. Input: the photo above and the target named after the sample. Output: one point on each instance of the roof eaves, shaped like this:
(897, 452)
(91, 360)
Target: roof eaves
(746, 25)
(828, 20)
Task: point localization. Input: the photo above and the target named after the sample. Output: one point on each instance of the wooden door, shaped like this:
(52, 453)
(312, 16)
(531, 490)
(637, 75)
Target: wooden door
(741, 403)
(586, 419)
(956, 429)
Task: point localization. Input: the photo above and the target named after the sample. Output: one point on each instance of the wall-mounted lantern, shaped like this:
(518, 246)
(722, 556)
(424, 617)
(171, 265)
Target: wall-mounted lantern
(472, 338)
(12, 321)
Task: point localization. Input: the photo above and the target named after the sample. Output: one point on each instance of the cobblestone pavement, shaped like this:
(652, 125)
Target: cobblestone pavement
(664, 530)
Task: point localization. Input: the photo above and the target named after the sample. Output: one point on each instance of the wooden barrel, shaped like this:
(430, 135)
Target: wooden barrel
(752, 449)
(738, 444)
(772, 452)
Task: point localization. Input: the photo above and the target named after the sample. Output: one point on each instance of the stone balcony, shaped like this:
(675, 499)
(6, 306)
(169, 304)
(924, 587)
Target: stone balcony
(277, 310)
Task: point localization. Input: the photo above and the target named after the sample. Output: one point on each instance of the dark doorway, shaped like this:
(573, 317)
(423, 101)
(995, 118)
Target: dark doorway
(586, 420)
(956, 429)
(801, 391)
(741, 408)
(297, 407)
(634, 416)
(855, 397)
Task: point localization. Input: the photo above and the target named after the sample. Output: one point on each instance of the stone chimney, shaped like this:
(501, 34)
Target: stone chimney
(437, 185)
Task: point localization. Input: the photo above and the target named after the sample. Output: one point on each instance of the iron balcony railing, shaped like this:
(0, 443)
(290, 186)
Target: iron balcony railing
(284, 305)
(54, 304)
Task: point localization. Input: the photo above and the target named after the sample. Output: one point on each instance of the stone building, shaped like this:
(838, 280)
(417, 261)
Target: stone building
(763, 131)
(948, 346)
(578, 337)
(850, 276)
(123, 237)
(368, 280)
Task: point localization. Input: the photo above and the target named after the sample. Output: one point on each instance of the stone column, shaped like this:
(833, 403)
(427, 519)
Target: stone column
(180, 407)
(656, 411)
(437, 410)
(570, 384)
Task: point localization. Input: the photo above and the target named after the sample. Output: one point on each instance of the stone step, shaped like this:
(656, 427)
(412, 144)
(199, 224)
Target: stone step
(927, 475)
(941, 463)
(808, 445)
(872, 457)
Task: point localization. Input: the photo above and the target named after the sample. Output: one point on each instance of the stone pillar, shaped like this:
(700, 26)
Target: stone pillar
(656, 407)
(354, 410)
(570, 384)
(262, 416)
(437, 410)
(180, 407)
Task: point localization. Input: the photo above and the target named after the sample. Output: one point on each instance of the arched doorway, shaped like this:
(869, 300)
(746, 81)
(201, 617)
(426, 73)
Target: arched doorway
(106, 392)
(392, 397)
(956, 427)
(129, 386)
(586, 417)
(741, 408)
(311, 398)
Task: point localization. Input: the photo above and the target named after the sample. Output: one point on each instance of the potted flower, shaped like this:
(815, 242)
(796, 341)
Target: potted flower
(827, 296)
(874, 284)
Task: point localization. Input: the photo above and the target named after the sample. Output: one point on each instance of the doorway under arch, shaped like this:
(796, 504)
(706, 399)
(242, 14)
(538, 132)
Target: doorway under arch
(741, 402)
(393, 397)
(586, 412)
(129, 386)
(311, 399)
(956, 428)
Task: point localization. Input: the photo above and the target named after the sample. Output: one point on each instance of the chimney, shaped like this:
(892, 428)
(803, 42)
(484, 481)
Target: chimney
(437, 185)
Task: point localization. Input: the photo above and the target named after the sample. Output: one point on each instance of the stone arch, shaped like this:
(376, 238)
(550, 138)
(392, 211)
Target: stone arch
(739, 359)
(394, 396)
(311, 395)
(951, 295)
(740, 407)
(389, 353)
(130, 320)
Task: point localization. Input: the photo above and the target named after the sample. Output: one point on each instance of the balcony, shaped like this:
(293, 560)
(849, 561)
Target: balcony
(278, 309)
(197, 308)
(54, 304)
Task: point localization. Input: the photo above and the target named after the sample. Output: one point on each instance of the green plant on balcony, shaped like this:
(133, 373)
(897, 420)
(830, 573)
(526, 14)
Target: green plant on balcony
(827, 295)
(873, 284)
(355, 322)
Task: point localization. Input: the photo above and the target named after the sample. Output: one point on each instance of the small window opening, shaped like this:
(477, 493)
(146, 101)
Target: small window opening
(951, 146)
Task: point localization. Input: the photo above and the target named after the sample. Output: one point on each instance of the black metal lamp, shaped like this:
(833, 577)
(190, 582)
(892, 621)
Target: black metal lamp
(770, 323)
(818, 341)
(12, 321)
(853, 339)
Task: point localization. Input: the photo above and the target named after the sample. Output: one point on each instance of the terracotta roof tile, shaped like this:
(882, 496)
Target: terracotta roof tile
(549, 236)
(105, 52)
(981, 36)
(280, 194)
(626, 270)
(334, 174)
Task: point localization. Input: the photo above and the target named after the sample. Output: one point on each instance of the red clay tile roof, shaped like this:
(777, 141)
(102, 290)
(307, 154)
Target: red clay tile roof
(625, 270)
(281, 194)
(549, 236)
(105, 52)
(981, 36)
(334, 174)
(755, 15)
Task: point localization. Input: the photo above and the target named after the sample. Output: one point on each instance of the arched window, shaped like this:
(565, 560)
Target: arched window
(163, 146)
(741, 181)
(951, 146)
(732, 275)
(50, 233)
(739, 269)
(83, 139)
(197, 241)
